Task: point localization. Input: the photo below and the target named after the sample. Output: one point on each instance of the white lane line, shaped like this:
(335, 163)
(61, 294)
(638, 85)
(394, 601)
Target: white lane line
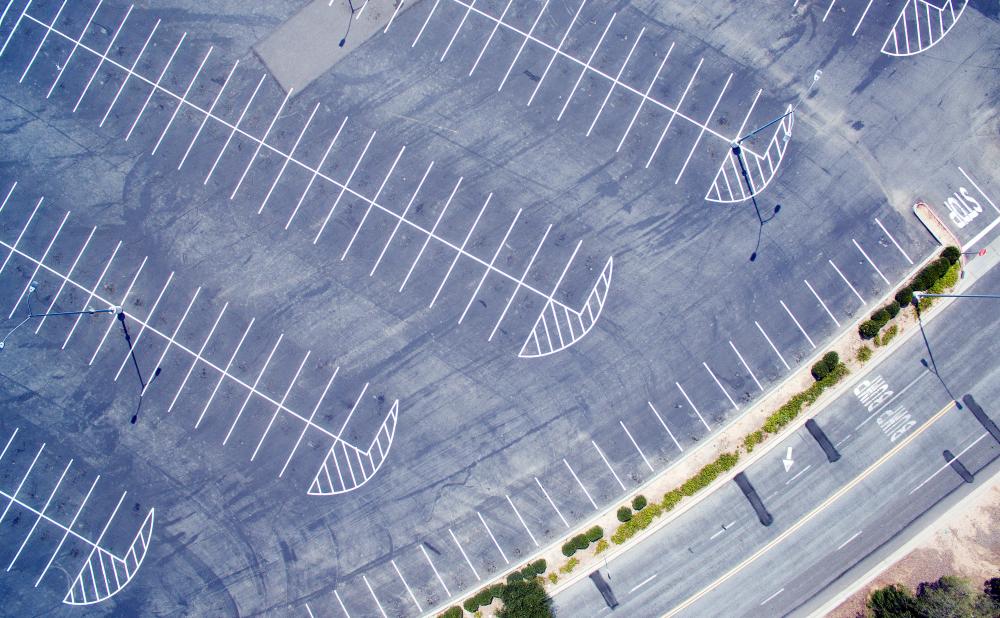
(704, 126)
(669, 433)
(527, 37)
(464, 555)
(981, 192)
(842, 440)
(746, 366)
(870, 262)
(382, 611)
(675, 113)
(863, 15)
(183, 101)
(822, 304)
(521, 519)
(636, 445)
(434, 568)
(717, 534)
(493, 538)
(616, 81)
(643, 583)
(801, 330)
(892, 399)
(489, 39)
(554, 507)
(854, 536)
(413, 597)
(764, 602)
(946, 465)
(209, 114)
(558, 49)
(798, 474)
(847, 282)
(645, 96)
(261, 142)
(608, 464)
(719, 384)
(586, 67)
(341, 603)
(693, 407)
(771, 343)
(879, 223)
(577, 479)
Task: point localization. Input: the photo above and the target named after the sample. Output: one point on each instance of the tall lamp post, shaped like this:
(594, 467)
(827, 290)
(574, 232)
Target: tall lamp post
(32, 315)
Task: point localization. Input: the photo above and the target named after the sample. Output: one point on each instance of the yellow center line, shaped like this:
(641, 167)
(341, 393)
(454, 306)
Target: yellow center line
(816, 511)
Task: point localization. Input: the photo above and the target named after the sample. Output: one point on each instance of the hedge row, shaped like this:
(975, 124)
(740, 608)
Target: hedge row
(949, 280)
(791, 408)
(582, 541)
(485, 596)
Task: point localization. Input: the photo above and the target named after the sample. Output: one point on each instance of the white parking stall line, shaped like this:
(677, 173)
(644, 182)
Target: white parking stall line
(528, 37)
(746, 366)
(16, 24)
(521, 519)
(886, 232)
(426, 21)
(586, 67)
(577, 479)
(489, 39)
(111, 323)
(828, 9)
(90, 294)
(170, 341)
(309, 422)
(100, 64)
(12, 435)
(288, 159)
(261, 142)
(701, 133)
(669, 433)
(382, 611)
(847, 282)
(870, 261)
(863, 15)
(719, 384)
(142, 328)
(343, 188)
(946, 465)
(373, 201)
(225, 372)
(131, 72)
(20, 235)
(41, 515)
(520, 282)
(981, 192)
(413, 597)
(434, 568)
(68, 530)
(183, 100)
(616, 81)
(458, 29)
(340, 602)
(209, 114)
(24, 478)
(315, 173)
(636, 445)
(822, 304)
(45, 37)
(309, 611)
(69, 274)
(197, 356)
(399, 221)
(674, 113)
(608, 464)
(556, 53)
(771, 343)
(553, 504)
(461, 250)
(7, 197)
(642, 583)
(503, 243)
(690, 403)
(235, 128)
(493, 538)
(844, 544)
(31, 279)
(645, 97)
(794, 319)
(464, 555)
(280, 405)
(394, 13)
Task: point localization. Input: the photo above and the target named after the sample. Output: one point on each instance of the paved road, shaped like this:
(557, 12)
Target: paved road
(827, 516)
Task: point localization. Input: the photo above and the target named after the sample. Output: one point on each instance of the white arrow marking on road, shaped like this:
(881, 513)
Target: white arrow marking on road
(788, 461)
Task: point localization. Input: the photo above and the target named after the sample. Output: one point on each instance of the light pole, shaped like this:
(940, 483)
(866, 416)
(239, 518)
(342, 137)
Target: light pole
(343, 40)
(31, 314)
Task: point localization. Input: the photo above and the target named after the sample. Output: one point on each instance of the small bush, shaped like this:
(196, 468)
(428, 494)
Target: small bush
(569, 566)
(905, 296)
(892, 309)
(525, 599)
(639, 502)
(832, 359)
(869, 329)
(594, 534)
(553, 578)
(624, 514)
(819, 370)
(752, 440)
(952, 254)
(470, 604)
(516, 576)
(887, 336)
(451, 612)
(881, 317)
(864, 354)
(569, 548)
(601, 547)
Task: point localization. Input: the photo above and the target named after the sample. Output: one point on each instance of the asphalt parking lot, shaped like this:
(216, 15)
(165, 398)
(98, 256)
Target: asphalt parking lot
(404, 327)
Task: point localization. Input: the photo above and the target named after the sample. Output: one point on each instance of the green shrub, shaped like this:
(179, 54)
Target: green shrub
(639, 502)
(516, 576)
(601, 547)
(593, 535)
(624, 514)
(952, 254)
(819, 370)
(892, 309)
(538, 566)
(864, 354)
(905, 296)
(569, 566)
(553, 578)
(751, 440)
(887, 336)
(471, 604)
(525, 599)
(869, 329)
(832, 359)
(451, 612)
(569, 548)
(942, 285)
(881, 317)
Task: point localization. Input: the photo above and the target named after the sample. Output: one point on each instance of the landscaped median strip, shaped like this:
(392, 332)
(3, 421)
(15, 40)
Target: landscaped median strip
(936, 277)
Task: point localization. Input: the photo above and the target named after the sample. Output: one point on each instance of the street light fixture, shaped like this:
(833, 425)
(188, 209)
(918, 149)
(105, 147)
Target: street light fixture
(31, 314)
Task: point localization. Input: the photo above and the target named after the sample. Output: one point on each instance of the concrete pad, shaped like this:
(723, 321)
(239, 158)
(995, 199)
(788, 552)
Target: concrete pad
(308, 45)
